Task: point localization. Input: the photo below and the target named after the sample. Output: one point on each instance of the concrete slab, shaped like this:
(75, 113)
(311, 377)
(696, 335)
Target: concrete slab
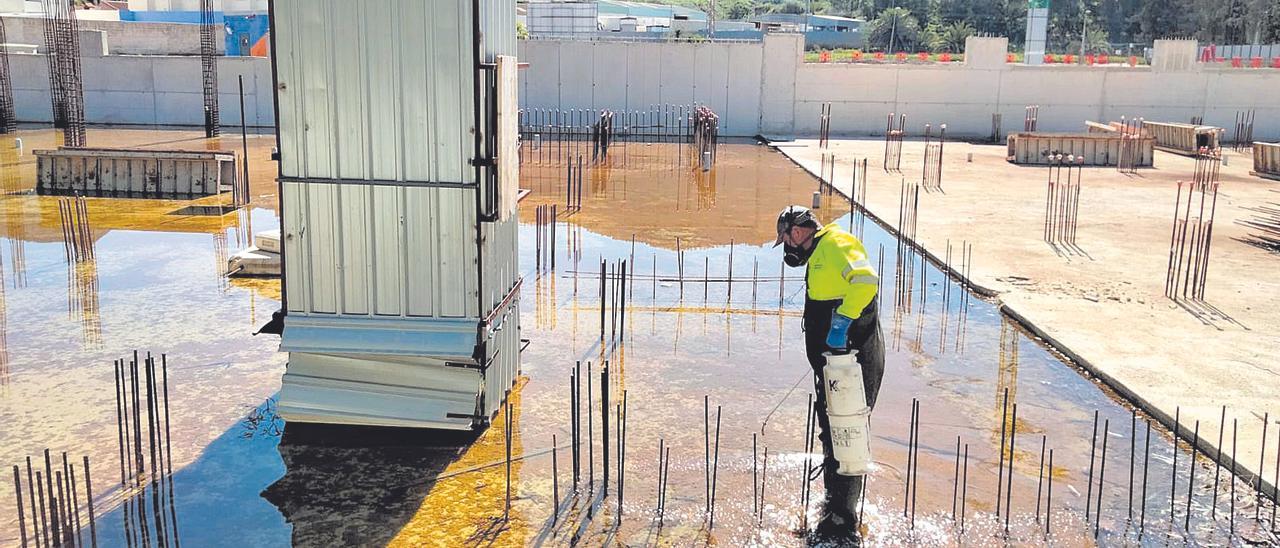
(1105, 308)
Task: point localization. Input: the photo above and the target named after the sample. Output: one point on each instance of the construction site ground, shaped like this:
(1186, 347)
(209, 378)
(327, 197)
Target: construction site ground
(1105, 309)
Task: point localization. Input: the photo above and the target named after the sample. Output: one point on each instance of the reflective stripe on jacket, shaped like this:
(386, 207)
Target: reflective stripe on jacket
(840, 270)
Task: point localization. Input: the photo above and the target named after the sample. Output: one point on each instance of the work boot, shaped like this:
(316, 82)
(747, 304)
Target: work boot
(833, 531)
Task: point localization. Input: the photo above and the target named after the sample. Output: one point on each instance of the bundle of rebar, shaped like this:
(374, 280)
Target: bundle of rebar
(1244, 130)
(555, 136)
(908, 208)
(573, 187)
(53, 498)
(62, 45)
(706, 135)
(209, 68)
(824, 126)
(1062, 199)
(1130, 145)
(143, 382)
(1031, 119)
(77, 238)
(858, 190)
(8, 119)
(614, 279)
(826, 174)
(893, 136)
(932, 173)
(1191, 238)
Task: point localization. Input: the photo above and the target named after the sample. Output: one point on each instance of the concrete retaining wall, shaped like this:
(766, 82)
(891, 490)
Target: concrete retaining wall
(757, 88)
(151, 90)
(790, 92)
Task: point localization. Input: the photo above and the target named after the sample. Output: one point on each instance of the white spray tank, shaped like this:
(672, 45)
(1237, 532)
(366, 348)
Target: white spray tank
(848, 413)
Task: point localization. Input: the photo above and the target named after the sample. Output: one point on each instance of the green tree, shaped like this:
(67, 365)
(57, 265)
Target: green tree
(895, 29)
(951, 37)
(522, 33)
(1163, 19)
(793, 7)
(738, 9)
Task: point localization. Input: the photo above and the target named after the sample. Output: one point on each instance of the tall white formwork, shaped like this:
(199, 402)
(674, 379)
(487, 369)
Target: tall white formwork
(398, 174)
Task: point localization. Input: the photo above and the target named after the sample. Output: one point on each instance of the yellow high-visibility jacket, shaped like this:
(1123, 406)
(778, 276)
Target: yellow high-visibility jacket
(839, 269)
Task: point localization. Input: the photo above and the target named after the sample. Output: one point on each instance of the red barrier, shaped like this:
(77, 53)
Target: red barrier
(1256, 62)
(824, 56)
(1133, 60)
(1236, 62)
(1275, 62)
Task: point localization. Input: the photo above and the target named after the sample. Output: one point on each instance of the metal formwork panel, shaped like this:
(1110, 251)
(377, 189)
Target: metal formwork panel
(400, 251)
(1266, 159)
(394, 259)
(376, 90)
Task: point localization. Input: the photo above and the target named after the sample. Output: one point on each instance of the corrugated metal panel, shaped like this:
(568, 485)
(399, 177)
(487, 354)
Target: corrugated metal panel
(380, 89)
(498, 27)
(401, 251)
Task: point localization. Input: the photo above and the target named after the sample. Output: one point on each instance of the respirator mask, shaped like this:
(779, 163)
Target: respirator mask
(796, 256)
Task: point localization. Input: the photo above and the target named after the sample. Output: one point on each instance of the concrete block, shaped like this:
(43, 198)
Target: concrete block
(1173, 55)
(986, 52)
(93, 43)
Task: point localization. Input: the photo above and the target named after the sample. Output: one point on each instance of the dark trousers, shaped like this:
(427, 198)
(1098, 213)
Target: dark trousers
(843, 492)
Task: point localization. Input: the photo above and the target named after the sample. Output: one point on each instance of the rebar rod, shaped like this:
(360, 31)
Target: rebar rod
(1093, 445)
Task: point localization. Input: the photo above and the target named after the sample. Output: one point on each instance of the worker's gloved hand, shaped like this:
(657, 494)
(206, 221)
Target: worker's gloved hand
(838, 336)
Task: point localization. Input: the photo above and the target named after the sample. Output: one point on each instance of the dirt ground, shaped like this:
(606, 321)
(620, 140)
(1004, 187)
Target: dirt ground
(1105, 308)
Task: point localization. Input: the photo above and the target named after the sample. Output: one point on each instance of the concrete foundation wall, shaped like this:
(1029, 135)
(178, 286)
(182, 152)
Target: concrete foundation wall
(964, 98)
(757, 88)
(123, 37)
(789, 93)
(151, 90)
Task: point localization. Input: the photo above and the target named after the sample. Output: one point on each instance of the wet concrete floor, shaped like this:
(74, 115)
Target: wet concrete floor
(241, 477)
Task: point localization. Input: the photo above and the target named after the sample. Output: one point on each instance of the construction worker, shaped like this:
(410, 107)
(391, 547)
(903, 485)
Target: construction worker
(840, 315)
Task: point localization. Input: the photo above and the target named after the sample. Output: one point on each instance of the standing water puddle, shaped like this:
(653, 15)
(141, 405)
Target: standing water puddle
(237, 480)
